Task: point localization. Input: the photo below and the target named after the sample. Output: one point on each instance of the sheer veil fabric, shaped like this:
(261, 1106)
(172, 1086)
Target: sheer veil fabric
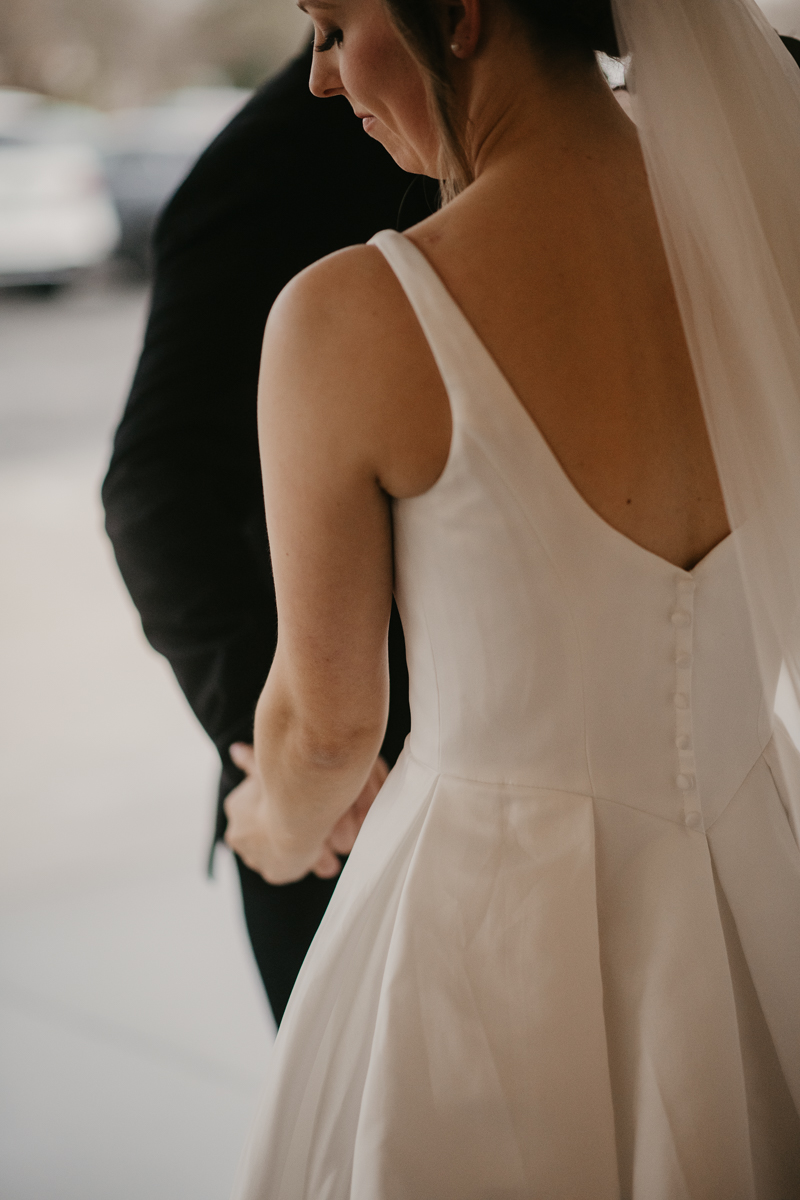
(716, 99)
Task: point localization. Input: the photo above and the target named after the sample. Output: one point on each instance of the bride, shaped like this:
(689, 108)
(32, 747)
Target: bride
(562, 960)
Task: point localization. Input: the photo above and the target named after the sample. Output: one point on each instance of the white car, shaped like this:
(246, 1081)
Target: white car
(56, 213)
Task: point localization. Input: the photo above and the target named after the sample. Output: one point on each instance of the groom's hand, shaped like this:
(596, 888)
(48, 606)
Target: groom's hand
(248, 833)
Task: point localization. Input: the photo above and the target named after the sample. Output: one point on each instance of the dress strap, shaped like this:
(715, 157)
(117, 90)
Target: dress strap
(467, 369)
(481, 398)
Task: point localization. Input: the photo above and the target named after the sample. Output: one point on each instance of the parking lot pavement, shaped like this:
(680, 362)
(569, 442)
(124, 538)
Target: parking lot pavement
(133, 1030)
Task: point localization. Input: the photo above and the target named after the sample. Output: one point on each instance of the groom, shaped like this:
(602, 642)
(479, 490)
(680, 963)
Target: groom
(288, 181)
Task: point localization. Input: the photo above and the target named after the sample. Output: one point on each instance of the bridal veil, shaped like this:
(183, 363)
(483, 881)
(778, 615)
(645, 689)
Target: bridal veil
(716, 98)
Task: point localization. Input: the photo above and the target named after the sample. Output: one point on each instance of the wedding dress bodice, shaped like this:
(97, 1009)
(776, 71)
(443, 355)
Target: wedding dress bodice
(568, 657)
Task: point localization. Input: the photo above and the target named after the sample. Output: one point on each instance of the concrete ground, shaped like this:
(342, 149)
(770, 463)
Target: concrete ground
(133, 1029)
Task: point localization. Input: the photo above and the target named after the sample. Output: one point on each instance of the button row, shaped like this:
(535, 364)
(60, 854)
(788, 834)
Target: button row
(682, 619)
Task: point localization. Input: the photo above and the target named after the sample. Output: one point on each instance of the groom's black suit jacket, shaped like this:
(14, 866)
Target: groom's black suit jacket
(291, 179)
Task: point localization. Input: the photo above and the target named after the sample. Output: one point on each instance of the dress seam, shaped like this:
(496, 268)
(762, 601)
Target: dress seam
(593, 796)
(438, 696)
(479, 444)
(761, 757)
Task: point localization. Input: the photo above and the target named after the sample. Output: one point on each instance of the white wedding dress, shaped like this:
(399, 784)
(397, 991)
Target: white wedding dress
(563, 960)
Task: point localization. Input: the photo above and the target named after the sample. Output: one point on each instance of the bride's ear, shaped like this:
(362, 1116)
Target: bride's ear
(463, 26)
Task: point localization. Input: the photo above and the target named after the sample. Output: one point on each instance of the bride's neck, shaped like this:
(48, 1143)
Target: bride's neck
(522, 112)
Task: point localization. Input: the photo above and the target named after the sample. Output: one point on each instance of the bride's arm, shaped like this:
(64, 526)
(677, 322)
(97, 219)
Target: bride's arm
(322, 431)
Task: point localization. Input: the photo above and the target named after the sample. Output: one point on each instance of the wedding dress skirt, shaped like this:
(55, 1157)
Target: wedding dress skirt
(563, 959)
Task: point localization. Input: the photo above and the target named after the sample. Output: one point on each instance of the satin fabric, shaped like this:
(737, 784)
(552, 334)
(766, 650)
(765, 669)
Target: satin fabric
(563, 960)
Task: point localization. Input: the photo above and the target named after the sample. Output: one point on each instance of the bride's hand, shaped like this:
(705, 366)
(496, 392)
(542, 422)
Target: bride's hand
(341, 838)
(249, 834)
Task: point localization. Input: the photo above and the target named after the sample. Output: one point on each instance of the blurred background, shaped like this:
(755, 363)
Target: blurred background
(103, 106)
(133, 1029)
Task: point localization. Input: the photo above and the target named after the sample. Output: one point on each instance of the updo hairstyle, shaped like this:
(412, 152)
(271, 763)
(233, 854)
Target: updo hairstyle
(561, 30)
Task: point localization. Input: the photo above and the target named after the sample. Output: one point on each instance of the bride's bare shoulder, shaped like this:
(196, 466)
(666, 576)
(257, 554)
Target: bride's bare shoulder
(351, 284)
(343, 342)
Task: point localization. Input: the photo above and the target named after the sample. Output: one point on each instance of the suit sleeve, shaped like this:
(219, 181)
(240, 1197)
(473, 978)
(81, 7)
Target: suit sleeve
(183, 491)
(183, 501)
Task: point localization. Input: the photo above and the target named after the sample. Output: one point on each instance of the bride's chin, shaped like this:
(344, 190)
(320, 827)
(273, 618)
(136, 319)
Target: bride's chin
(404, 155)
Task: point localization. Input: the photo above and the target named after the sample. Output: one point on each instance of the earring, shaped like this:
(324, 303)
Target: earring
(454, 46)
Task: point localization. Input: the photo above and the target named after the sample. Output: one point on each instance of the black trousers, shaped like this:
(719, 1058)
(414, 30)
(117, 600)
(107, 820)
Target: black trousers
(281, 922)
